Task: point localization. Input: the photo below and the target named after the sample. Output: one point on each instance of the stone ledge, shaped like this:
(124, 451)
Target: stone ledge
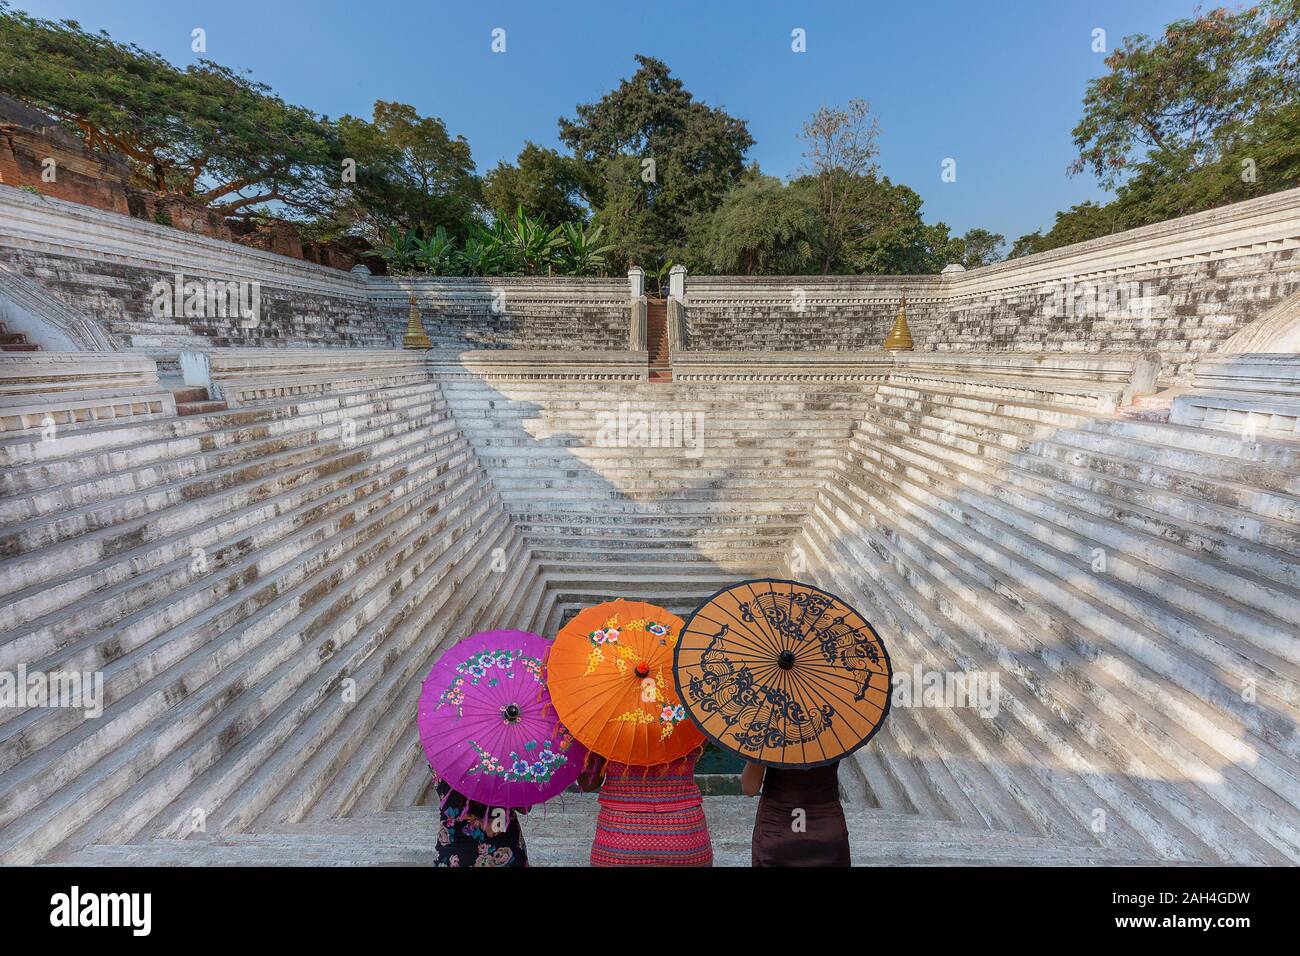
(1265, 373)
(1100, 379)
(26, 373)
(1269, 222)
(1240, 413)
(78, 388)
(71, 229)
(1137, 373)
(239, 376)
(84, 408)
(522, 364)
(1257, 393)
(710, 366)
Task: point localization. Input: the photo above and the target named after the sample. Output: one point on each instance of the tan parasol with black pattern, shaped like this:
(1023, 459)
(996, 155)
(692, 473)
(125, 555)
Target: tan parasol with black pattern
(782, 673)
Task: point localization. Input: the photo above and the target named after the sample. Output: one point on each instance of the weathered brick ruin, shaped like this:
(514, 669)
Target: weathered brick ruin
(263, 585)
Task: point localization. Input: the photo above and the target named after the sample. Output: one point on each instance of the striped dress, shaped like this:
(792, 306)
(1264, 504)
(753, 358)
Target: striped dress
(651, 816)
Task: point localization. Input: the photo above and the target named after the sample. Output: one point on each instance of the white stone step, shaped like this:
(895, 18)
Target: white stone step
(298, 621)
(929, 545)
(562, 837)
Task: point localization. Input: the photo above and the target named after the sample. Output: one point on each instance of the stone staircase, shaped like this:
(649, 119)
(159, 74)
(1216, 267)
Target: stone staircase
(263, 586)
(15, 341)
(608, 514)
(1135, 586)
(661, 369)
(196, 401)
(560, 834)
(262, 589)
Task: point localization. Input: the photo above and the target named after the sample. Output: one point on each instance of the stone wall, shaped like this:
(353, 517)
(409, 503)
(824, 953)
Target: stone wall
(510, 313)
(106, 266)
(806, 313)
(1179, 288)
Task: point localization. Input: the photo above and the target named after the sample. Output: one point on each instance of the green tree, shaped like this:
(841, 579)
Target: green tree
(891, 237)
(761, 227)
(1179, 100)
(840, 151)
(410, 172)
(660, 159)
(1079, 223)
(980, 247)
(542, 182)
(1206, 114)
(204, 132)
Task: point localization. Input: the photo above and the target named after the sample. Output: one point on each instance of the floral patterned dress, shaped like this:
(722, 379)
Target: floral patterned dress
(465, 839)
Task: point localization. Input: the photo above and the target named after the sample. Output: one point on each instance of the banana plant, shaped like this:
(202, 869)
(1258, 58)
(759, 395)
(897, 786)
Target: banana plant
(534, 246)
(582, 253)
(399, 249)
(658, 276)
(437, 254)
(487, 252)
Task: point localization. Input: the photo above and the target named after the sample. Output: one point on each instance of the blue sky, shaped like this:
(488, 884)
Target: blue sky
(997, 85)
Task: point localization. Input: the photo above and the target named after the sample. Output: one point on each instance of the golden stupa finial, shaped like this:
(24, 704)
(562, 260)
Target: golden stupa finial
(899, 338)
(415, 337)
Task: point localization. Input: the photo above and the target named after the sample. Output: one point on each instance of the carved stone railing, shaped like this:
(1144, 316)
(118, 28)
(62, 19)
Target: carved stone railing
(241, 376)
(705, 366)
(1100, 381)
(1253, 395)
(43, 389)
(549, 364)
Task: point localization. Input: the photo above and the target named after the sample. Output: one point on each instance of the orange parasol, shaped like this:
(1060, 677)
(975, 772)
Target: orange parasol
(609, 676)
(783, 673)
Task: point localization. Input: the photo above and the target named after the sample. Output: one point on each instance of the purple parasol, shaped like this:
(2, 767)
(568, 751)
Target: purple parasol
(487, 724)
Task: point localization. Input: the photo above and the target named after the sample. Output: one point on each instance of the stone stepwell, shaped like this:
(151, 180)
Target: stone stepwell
(1134, 587)
(264, 587)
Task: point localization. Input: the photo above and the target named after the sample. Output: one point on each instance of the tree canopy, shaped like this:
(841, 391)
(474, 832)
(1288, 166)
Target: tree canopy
(542, 182)
(663, 159)
(410, 172)
(652, 175)
(1205, 114)
(204, 132)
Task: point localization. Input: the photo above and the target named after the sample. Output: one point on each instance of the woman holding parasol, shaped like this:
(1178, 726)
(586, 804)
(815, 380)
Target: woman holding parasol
(493, 739)
(609, 673)
(792, 679)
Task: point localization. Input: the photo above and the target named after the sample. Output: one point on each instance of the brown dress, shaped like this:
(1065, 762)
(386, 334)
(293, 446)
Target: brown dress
(778, 841)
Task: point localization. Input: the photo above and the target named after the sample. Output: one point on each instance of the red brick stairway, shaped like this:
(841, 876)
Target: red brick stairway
(15, 341)
(195, 401)
(657, 340)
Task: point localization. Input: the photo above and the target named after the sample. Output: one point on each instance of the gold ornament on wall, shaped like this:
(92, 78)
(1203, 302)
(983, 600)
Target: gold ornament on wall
(415, 337)
(899, 338)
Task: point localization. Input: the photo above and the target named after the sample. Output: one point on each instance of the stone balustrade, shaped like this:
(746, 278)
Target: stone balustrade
(240, 376)
(1103, 382)
(710, 366)
(1247, 394)
(544, 364)
(39, 389)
